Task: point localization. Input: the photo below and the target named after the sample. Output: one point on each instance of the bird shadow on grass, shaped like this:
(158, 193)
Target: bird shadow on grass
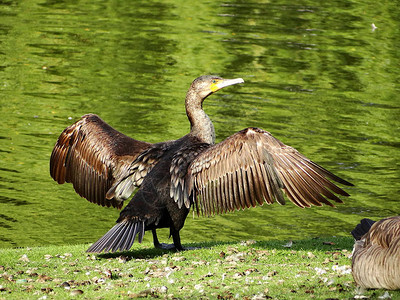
(313, 244)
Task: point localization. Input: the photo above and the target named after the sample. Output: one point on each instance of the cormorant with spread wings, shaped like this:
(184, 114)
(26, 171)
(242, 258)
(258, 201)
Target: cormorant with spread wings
(249, 168)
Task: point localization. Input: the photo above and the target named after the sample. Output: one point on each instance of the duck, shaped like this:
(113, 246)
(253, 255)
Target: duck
(167, 179)
(376, 254)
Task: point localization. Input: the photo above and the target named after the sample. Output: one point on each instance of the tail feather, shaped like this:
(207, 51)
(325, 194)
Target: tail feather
(140, 232)
(123, 235)
(101, 244)
(362, 228)
(119, 238)
(126, 243)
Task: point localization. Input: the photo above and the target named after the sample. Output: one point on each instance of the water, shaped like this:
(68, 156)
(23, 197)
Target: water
(316, 76)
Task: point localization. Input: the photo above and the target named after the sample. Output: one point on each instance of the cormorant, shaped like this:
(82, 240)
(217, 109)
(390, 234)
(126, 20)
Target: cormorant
(248, 168)
(376, 254)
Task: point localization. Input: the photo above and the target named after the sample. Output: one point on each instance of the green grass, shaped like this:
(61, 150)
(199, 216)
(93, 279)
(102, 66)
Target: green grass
(316, 268)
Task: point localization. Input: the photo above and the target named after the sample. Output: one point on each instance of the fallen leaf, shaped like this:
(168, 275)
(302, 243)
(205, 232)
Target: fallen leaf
(310, 255)
(76, 292)
(328, 243)
(237, 275)
(46, 290)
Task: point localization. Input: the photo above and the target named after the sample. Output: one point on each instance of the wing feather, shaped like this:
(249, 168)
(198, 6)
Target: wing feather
(252, 167)
(92, 155)
(236, 194)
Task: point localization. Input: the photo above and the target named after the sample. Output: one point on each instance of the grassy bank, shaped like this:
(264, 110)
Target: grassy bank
(316, 268)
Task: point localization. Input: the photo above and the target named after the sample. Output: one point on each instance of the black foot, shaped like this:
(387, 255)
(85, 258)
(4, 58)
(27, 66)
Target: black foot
(165, 246)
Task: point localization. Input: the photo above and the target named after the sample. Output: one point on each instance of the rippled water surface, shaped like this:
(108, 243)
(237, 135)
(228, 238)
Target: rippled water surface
(317, 76)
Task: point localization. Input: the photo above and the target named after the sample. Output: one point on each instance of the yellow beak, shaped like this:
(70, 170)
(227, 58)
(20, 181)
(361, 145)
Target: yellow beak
(221, 83)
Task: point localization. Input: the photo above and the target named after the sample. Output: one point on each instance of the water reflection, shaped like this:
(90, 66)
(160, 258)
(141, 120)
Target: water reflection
(316, 77)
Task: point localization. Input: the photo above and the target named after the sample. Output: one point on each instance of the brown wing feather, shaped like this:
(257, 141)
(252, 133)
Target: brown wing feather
(252, 167)
(92, 155)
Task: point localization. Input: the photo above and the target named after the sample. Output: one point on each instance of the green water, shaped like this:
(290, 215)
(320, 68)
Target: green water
(316, 76)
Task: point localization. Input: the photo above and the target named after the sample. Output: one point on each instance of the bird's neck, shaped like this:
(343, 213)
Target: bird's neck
(200, 124)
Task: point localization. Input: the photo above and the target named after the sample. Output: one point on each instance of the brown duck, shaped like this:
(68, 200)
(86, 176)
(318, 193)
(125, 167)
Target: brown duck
(376, 254)
(250, 167)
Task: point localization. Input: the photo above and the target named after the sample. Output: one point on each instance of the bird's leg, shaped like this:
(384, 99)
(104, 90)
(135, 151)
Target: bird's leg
(159, 245)
(177, 240)
(155, 239)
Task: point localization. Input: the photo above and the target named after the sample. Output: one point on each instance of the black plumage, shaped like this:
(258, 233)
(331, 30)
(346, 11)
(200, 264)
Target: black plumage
(362, 228)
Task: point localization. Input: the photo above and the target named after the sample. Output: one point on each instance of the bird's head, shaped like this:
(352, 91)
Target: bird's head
(208, 84)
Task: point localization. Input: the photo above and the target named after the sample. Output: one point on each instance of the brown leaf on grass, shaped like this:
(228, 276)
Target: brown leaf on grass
(248, 242)
(236, 257)
(226, 295)
(46, 290)
(76, 292)
(144, 294)
(328, 243)
(249, 271)
(334, 254)
(189, 273)
(326, 261)
(310, 255)
(65, 285)
(178, 258)
(237, 275)
(29, 288)
(43, 278)
(263, 252)
(200, 263)
(108, 273)
(260, 296)
(209, 274)
(231, 250)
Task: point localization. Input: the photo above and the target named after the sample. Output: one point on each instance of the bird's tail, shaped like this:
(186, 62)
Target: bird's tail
(120, 237)
(362, 228)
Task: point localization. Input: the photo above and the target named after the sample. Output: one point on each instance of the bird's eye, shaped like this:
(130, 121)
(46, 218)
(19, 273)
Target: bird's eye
(214, 81)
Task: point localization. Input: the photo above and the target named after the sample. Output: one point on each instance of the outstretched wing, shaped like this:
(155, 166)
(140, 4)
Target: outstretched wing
(92, 155)
(252, 167)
